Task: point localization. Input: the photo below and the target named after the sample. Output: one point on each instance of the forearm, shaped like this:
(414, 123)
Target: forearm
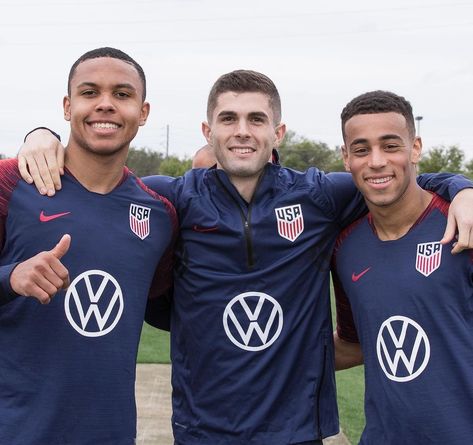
(347, 354)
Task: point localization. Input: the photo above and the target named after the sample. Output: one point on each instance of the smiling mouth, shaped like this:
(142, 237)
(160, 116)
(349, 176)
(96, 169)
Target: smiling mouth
(105, 125)
(242, 150)
(379, 180)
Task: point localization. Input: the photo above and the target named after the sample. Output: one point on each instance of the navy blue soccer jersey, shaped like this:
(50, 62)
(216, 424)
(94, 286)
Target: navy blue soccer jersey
(409, 302)
(67, 369)
(251, 331)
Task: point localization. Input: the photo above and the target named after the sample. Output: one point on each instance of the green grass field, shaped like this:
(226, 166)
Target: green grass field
(154, 348)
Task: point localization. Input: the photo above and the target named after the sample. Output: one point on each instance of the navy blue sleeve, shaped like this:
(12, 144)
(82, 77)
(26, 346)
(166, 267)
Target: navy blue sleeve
(164, 185)
(447, 185)
(344, 199)
(158, 311)
(7, 294)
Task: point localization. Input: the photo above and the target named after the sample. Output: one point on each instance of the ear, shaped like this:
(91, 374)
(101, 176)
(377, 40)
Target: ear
(280, 132)
(66, 105)
(144, 113)
(207, 132)
(416, 153)
(345, 158)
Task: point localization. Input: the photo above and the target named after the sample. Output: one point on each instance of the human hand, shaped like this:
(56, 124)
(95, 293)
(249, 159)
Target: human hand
(43, 275)
(460, 219)
(41, 160)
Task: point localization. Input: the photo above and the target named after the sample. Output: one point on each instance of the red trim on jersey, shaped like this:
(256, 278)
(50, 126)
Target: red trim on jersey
(9, 177)
(162, 280)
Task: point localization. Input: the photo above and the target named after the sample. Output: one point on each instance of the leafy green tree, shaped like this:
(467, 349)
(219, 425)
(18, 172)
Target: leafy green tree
(300, 153)
(173, 166)
(144, 161)
(469, 169)
(442, 159)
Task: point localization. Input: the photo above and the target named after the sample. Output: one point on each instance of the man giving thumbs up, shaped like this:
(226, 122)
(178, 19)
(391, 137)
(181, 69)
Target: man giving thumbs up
(67, 368)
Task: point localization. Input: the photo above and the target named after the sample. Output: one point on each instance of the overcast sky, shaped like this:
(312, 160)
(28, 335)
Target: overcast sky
(319, 54)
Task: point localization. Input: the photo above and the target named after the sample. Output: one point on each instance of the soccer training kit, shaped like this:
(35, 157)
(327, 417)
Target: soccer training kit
(412, 305)
(251, 331)
(67, 369)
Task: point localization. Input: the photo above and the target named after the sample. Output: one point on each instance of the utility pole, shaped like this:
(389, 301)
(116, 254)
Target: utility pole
(418, 119)
(167, 140)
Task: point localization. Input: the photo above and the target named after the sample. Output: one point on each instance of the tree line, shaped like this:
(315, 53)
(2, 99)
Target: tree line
(300, 153)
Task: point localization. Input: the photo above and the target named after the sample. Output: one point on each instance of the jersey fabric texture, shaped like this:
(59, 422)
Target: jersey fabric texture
(67, 369)
(251, 332)
(412, 307)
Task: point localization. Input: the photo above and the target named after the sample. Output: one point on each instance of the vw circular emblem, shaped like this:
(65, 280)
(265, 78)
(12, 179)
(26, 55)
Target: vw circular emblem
(403, 348)
(94, 303)
(253, 321)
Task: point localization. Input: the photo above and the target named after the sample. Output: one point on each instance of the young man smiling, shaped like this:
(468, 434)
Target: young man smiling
(251, 332)
(404, 302)
(68, 367)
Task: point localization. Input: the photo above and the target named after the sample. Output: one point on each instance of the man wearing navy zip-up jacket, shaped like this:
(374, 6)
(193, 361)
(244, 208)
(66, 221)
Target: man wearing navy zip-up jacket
(251, 333)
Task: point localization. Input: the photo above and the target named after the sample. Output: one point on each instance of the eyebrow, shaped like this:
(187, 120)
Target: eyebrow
(385, 137)
(127, 86)
(251, 114)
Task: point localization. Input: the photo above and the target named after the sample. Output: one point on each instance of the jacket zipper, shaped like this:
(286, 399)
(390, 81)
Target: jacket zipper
(246, 224)
(322, 378)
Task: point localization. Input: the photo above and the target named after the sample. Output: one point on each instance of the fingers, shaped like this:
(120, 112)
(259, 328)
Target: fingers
(42, 175)
(43, 275)
(60, 153)
(23, 167)
(53, 169)
(41, 160)
(61, 248)
(465, 240)
(449, 230)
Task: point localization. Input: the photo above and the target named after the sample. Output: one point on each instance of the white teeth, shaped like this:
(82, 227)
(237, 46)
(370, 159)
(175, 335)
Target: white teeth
(104, 125)
(380, 180)
(242, 150)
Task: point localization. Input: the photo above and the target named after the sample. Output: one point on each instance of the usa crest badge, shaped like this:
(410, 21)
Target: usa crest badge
(428, 258)
(290, 221)
(139, 220)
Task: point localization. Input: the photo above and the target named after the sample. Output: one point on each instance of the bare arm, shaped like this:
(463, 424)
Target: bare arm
(347, 354)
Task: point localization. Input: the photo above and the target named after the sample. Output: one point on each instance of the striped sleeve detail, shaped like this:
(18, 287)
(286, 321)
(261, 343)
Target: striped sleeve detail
(346, 329)
(163, 278)
(9, 177)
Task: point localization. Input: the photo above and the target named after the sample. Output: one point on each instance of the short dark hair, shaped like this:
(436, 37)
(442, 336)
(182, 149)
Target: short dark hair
(374, 102)
(245, 81)
(107, 52)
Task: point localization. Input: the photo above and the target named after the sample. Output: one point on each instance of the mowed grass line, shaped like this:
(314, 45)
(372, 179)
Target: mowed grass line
(154, 348)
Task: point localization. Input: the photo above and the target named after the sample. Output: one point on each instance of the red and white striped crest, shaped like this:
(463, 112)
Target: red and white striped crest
(290, 221)
(139, 220)
(429, 257)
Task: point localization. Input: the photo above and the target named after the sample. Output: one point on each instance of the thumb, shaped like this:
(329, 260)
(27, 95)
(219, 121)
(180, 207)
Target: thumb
(61, 248)
(449, 233)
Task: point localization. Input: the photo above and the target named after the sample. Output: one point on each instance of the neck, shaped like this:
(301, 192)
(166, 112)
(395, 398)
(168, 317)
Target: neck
(246, 187)
(394, 221)
(97, 173)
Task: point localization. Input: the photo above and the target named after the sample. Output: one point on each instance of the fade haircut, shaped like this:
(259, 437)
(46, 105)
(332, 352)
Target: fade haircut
(379, 101)
(107, 52)
(245, 81)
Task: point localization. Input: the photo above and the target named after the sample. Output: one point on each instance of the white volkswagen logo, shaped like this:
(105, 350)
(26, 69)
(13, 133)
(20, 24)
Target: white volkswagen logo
(253, 312)
(402, 339)
(94, 303)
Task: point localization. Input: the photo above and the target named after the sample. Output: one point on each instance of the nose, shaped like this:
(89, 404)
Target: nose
(105, 103)
(242, 128)
(377, 158)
